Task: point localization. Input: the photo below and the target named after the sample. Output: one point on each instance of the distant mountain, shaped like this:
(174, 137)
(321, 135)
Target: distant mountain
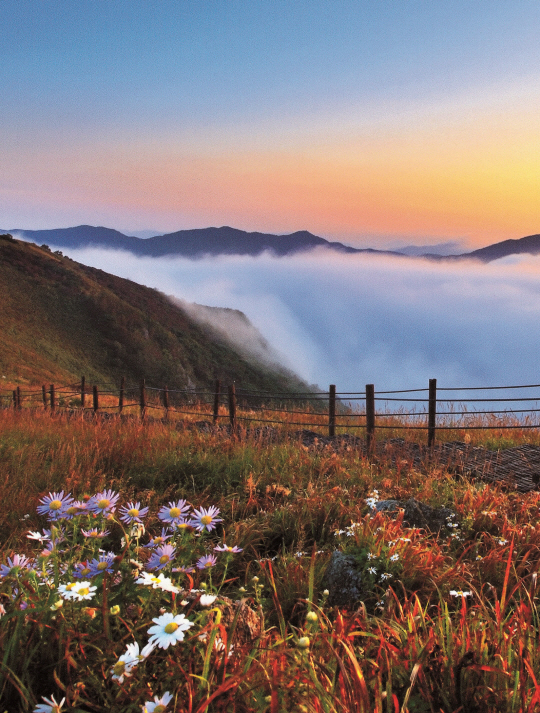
(188, 243)
(529, 244)
(231, 241)
(60, 319)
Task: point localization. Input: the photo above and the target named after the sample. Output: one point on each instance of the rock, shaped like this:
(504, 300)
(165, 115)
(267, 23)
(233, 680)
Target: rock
(344, 581)
(248, 626)
(418, 514)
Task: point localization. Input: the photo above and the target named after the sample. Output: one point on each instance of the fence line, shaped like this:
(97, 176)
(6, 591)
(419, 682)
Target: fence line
(260, 407)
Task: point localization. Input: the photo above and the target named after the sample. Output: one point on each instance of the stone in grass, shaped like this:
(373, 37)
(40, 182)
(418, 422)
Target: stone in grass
(418, 514)
(344, 581)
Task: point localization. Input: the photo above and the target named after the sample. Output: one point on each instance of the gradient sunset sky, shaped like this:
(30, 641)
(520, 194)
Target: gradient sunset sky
(375, 123)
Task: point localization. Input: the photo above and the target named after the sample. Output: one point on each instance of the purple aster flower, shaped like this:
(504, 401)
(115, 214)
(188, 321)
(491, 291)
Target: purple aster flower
(160, 539)
(132, 512)
(53, 505)
(14, 565)
(95, 534)
(182, 525)
(173, 512)
(184, 570)
(161, 557)
(82, 570)
(103, 564)
(206, 562)
(205, 518)
(103, 503)
(227, 548)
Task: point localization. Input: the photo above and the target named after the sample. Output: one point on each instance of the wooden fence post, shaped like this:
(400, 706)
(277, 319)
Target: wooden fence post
(121, 394)
(19, 398)
(52, 398)
(166, 401)
(432, 412)
(83, 391)
(232, 407)
(96, 398)
(370, 417)
(332, 411)
(217, 390)
(14, 399)
(142, 402)
(44, 396)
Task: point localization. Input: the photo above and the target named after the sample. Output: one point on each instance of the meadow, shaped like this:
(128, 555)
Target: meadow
(216, 598)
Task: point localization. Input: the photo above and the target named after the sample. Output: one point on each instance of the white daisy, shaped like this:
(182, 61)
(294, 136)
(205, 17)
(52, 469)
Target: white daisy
(50, 705)
(207, 599)
(168, 630)
(159, 582)
(158, 705)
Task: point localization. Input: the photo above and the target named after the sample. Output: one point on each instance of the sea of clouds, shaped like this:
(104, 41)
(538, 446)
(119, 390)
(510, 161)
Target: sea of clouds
(350, 320)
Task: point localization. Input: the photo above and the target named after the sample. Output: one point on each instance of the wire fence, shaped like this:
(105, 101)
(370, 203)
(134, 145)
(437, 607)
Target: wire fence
(332, 413)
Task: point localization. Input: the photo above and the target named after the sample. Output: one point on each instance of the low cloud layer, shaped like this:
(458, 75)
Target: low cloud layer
(357, 319)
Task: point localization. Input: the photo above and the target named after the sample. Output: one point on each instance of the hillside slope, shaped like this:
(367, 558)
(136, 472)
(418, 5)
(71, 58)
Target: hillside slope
(60, 320)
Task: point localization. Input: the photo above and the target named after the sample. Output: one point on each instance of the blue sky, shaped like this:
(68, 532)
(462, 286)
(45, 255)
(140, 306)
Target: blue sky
(370, 122)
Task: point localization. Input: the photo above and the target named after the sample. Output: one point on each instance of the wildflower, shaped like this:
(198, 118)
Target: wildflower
(184, 570)
(304, 642)
(114, 610)
(168, 630)
(103, 564)
(57, 605)
(95, 534)
(82, 570)
(159, 582)
(123, 667)
(159, 705)
(160, 539)
(137, 530)
(371, 556)
(38, 536)
(227, 548)
(311, 616)
(459, 593)
(14, 565)
(132, 512)
(205, 518)
(161, 557)
(103, 503)
(339, 532)
(173, 512)
(394, 558)
(207, 599)
(54, 504)
(82, 590)
(50, 705)
(385, 575)
(502, 541)
(206, 562)
(372, 570)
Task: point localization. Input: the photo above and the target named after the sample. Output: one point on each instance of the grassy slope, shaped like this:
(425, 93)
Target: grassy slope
(60, 319)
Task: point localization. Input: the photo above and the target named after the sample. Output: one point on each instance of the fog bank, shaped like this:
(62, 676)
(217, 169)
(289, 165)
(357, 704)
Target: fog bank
(357, 319)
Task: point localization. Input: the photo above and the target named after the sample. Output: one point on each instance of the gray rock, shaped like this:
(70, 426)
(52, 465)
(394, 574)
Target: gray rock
(418, 514)
(344, 581)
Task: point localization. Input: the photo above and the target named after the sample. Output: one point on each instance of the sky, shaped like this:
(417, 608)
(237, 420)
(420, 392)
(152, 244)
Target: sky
(379, 124)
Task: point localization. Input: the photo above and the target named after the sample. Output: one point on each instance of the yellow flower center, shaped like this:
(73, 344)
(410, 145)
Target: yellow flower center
(119, 668)
(55, 505)
(69, 587)
(206, 519)
(71, 511)
(102, 565)
(182, 525)
(160, 708)
(163, 559)
(84, 591)
(208, 564)
(133, 512)
(174, 512)
(171, 628)
(94, 533)
(104, 503)
(85, 571)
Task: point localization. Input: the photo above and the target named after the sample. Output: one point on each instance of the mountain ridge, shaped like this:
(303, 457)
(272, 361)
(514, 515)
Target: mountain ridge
(61, 319)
